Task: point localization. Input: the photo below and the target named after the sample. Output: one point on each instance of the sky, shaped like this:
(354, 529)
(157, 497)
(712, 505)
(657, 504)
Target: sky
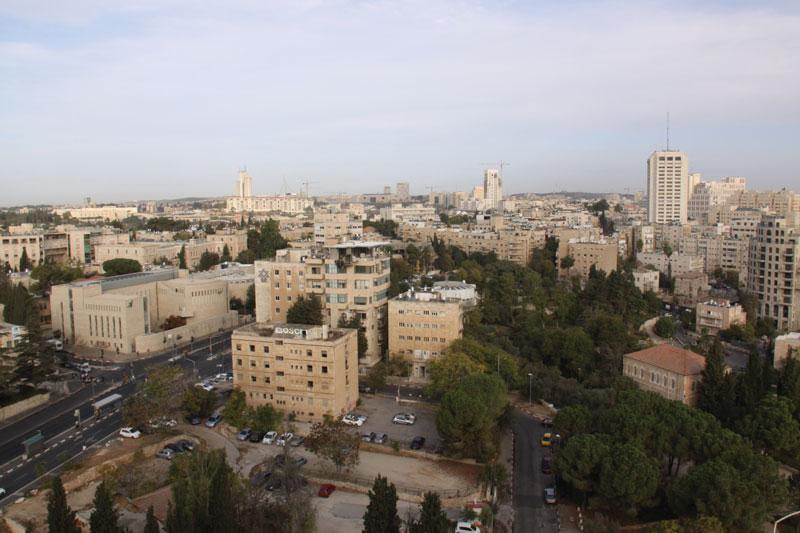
(158, 99)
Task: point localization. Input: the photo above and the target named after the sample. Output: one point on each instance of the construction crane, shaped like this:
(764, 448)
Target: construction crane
(307, 183)
(501, 164)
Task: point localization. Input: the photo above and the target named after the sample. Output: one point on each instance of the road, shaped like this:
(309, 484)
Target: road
(531, 514)
(57, 421)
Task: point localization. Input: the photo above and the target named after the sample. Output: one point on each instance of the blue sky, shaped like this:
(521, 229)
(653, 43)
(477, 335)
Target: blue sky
(169, 98)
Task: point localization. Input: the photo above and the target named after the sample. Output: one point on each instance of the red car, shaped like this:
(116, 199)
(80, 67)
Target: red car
(546, 465)
(326, 489)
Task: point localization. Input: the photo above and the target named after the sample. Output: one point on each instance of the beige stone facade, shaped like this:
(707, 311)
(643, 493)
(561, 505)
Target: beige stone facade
(716, 315)
(510, 244)
(236, 242)
(12, 246)
(784, 345)
(422, 324)
(333, 228)
(672, 372)
(307, 371)
(774, 270)
(691, 288)
(668, 187)
(646, 279)
(349, 279)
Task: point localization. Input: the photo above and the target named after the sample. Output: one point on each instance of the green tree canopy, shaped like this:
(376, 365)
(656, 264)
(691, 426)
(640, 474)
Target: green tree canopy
(266, 240)
(105, 517)
(207, 260)
(119, 266)
(772, 426)
(60, 518)
(432, 518)
(448, 371)
(665, 327)
(381, 515)
(333, 440)
(305, 311)
(226, 254)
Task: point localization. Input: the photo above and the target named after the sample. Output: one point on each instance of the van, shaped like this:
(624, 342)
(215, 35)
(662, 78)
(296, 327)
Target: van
(57, 345)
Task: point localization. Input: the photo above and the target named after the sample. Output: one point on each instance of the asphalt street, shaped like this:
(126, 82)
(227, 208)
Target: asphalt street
(56, 421)
(531, 514)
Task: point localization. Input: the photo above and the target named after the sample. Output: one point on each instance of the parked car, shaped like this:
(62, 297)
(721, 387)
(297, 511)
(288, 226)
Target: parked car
(300, 461)
(206, 385)
(244, 434)
(260, 478)
(270, 437)
(368, 437)
(353, 420)
(130, 433)
(2, 492)
(546, 465)
(550, 495)
(176, 448)
(279, 460)
(256, 436)
(326, 490)
(467, 527)
(380, 438)
(547, 439)
(284, 438)
(297, 440)
(195, 420)
(186, 444)
(365, 389)
(165, 453)
(404, 418)
(417, 443)
(547, 422)
(214, 420)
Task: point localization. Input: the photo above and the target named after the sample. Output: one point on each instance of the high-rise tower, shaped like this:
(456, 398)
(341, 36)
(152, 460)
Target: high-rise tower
(244, 184)
(493, 189)
(668, 187)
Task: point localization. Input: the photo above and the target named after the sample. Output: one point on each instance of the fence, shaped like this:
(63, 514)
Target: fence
(405, 489)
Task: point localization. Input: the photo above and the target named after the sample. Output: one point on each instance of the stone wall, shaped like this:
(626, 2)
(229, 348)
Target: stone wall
(20, 407)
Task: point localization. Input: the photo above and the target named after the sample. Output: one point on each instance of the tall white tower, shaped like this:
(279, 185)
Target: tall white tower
(244, 184)
(492, 189)
(668, 187)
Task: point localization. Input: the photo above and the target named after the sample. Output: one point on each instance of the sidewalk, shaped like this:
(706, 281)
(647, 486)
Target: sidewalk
(505, 514)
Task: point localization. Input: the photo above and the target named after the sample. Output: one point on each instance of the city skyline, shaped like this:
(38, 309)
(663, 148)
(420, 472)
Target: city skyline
(155, 101)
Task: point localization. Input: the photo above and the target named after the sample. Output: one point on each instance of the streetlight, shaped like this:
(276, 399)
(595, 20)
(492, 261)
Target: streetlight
(530, 388)
(779, 520)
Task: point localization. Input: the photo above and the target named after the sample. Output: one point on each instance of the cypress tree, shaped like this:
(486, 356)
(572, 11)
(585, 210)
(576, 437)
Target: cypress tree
(381, 515)
(182, 257)
(226, 254)
(151, 525)
(24, 262)
(712, 384)
(432, 518)
(60, 518)
(104, 517)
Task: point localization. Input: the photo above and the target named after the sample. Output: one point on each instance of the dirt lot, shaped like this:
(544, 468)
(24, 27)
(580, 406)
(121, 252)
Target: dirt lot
(380, 411)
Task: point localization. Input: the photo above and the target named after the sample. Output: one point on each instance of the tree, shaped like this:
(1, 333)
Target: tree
(120, 265)
(448, 371)
(376, 377)
(629, 476)
(381, 515)
(172, 322)
(49, 274)
(104, 518)
(432, 518)
(469, 414)
(573, 420)
(60, 518)
(196, 401)
(665, 327)
(24, 262)
(205, 493)
(334, 441)
(250, 300)
(305, 311)
(160, 395)
(34, 357)
(182, 258)
(266, 241)
(151, 524)
(567, 262)
(772, 427)
(236, 411)
(789, 382)
(578, 461)
(226, 254)
(713, 382)
(355, 323)
(246, 257)
(265, 418)
(207, 260)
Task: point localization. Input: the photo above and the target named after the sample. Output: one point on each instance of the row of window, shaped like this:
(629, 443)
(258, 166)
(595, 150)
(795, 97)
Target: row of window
(252, 349)
(424, 326)
(417, 312)
(426, 339)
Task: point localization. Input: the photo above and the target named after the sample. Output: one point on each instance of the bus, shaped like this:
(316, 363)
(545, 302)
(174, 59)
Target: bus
(107, 404)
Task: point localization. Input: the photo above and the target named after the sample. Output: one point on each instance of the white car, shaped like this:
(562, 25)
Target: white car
(467, 527)
(205, 386)
(284, 439)
(130, 433)
(2, 492)
(270, 437)
(354, 420)
(404, 418)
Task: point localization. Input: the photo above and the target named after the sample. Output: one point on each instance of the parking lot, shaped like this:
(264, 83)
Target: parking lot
(380, 411)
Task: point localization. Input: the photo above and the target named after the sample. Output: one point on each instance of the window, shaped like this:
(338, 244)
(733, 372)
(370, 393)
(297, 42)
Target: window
(238, 362)
(310, 384)
(252, 347)
(324, 354)
(279, 358)
(277, 309)
(266, 349)
(266, 364)
(252, 363)
(309, 353)
(309, 368)
(278, 343)
(277, 298)
(277, 285)
(324, 369)
(280, 373)
(281, 389)
(238, 346)
(266, 380)
(253, 379)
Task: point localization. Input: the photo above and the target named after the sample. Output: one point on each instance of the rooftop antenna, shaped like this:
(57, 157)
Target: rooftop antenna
(667, 131)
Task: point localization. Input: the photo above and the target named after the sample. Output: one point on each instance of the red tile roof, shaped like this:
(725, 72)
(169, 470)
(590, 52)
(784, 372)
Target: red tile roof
(159, 499)
(671, 358)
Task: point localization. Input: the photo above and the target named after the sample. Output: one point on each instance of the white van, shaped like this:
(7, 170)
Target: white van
(57, 344)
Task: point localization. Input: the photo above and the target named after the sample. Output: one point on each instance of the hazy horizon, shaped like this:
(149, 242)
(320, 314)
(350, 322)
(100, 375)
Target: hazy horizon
(167, 99)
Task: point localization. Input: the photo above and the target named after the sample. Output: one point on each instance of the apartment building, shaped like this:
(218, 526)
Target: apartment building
(514, 244)
(333, 228)
(716, 315)
(786, 344)
(423, 323)
(126, 313)
(691, 288)
(774, 269)
(153, 253)
(707, 194)
(305, 371)
(646, 279)
(11, 335)
(291, 204)
(236, 243)
(673, 265)
(107, 212)
(600, 254)
(401, 213)
(12, 247)
(668, 187)
(493, 189)
(349, 278)
(672, 372)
